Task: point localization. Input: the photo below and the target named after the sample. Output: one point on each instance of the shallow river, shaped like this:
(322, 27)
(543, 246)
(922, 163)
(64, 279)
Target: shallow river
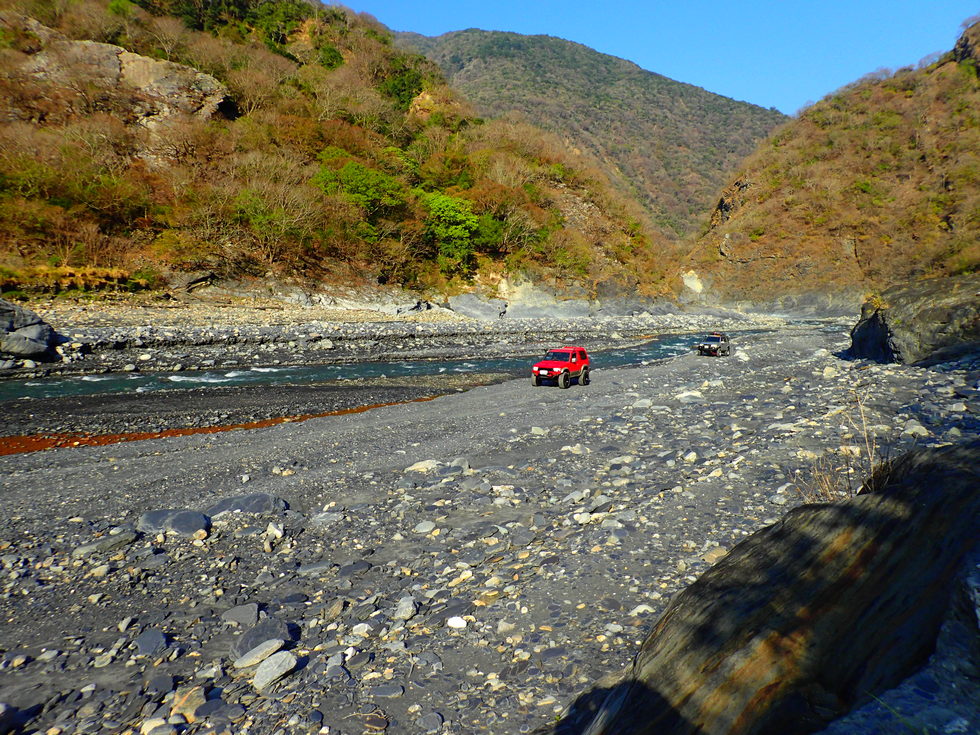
(655, 349)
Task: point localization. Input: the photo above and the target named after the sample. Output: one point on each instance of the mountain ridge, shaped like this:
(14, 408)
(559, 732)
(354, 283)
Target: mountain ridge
(875, 185)
(667, 143)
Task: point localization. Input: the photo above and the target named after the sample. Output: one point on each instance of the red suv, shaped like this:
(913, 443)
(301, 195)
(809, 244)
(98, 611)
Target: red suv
(561, 364)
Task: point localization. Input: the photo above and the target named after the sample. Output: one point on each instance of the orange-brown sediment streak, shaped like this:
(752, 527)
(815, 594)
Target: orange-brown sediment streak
(38, 442)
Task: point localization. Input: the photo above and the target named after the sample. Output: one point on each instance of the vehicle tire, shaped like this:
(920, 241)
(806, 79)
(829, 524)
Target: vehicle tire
(535, 380)
(563, 380)
(584, 379)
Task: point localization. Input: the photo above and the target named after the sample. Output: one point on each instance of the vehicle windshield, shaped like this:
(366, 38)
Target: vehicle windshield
(712, 338)
(556, 355)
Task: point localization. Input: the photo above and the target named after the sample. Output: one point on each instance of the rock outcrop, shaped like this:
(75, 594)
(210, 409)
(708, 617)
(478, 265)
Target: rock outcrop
(23, 333)
(81, 77)
(809, 617)
(922, 323)
(732, 199)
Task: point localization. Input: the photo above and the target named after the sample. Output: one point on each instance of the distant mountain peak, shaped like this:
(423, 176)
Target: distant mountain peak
(666, 143)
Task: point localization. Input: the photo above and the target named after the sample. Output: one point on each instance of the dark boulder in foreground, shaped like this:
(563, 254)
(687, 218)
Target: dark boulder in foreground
(807, 618)
(924, 322)
(23, 333)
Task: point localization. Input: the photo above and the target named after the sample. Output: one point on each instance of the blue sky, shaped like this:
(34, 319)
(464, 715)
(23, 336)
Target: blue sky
(771, 53)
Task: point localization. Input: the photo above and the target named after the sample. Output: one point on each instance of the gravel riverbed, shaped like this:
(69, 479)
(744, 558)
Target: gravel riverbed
(466, 564)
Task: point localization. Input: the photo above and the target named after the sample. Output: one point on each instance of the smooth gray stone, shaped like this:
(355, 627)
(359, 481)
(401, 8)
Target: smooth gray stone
(273, 669)
(245, 615)
(110, 542)
(317, 567)
(258, 654)
(387, 691)
(264, 630)
(431, 722)
(326, 519)
(150, 642)
(184, 523)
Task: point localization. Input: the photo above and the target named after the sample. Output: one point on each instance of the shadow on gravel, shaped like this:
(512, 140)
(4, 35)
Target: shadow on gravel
(807, 618)
(646, 706)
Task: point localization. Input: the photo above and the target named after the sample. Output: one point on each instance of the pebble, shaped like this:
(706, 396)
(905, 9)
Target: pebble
(273, 669)
(258, 654)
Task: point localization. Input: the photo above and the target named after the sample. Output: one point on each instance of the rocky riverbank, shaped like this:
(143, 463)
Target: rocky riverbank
(192, 336)
(466, 564)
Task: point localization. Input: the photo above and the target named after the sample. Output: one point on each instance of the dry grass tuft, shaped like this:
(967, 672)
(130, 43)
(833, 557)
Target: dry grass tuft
(845, 473)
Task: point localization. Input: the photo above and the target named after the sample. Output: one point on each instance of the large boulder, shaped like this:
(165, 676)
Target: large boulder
(23, 333)
(807, 618)
(150, 92)
(921, 323)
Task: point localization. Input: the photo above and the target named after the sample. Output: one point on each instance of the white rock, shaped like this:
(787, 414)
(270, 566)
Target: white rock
(456, 622)
(152, 724)
(914, 428)
(640, 610)
(361, 629)
(406, 609)
(424, 527)
(426, 465)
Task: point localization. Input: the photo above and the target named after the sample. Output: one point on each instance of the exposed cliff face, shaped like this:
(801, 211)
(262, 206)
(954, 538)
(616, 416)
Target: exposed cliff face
(927, 321)
(873, 186)
(57, 78)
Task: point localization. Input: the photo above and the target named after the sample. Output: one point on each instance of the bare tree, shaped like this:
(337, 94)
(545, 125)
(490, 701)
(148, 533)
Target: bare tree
(170, 35)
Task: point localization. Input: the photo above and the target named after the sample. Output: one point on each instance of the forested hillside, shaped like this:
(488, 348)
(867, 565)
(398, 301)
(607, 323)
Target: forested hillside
(668, 144)
(277, 139)
(876, 184)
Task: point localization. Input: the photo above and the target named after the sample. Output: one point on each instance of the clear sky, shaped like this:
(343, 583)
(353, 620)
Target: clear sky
(774, 53)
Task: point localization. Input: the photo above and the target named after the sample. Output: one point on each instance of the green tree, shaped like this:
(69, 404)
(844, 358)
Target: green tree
(402, 84)
(369, 188)
(451, 225)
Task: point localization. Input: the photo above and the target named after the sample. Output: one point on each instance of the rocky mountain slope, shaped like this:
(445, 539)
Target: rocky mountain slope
(875, 185)
(666, 143)
(278, 141)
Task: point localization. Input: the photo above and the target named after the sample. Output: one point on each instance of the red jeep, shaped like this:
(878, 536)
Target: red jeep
(561, 365)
